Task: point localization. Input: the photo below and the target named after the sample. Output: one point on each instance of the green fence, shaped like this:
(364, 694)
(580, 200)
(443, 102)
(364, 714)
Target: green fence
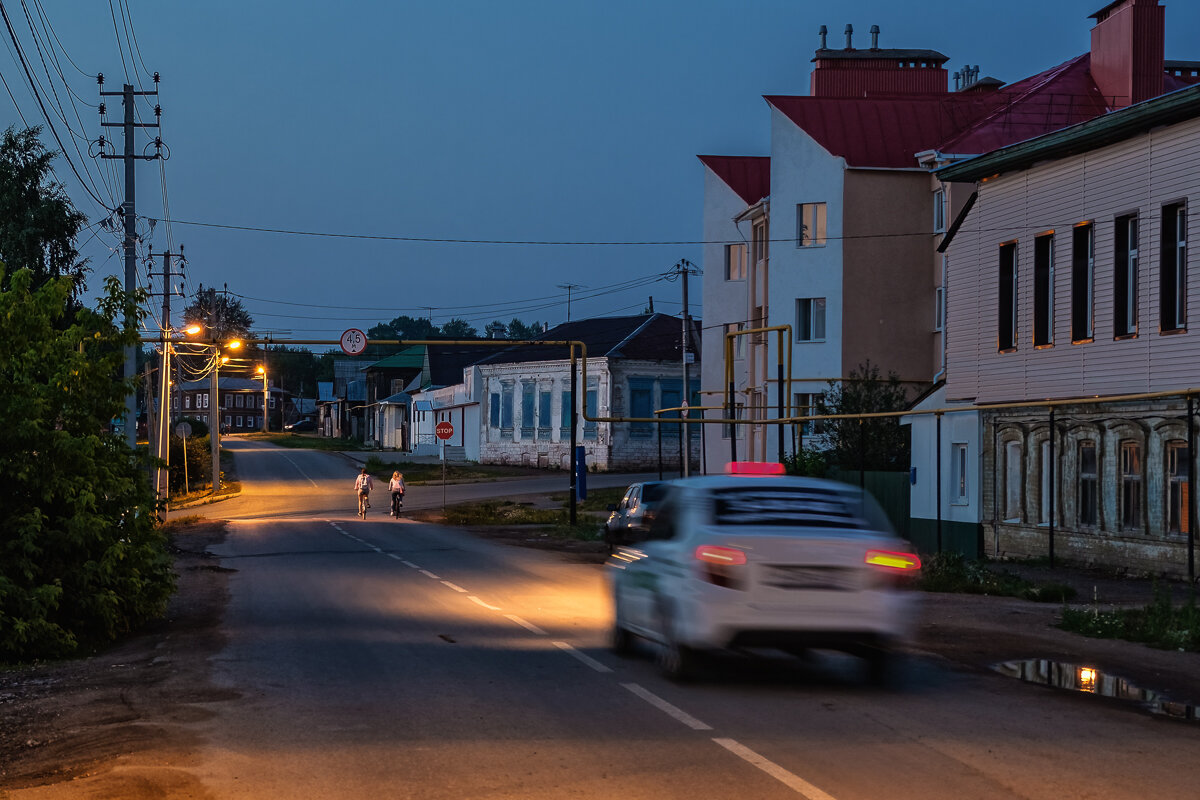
(890, 489)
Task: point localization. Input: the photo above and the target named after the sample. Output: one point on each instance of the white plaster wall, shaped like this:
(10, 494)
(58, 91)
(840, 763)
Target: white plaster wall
(723, 302)
(804, 172)
(963, 427)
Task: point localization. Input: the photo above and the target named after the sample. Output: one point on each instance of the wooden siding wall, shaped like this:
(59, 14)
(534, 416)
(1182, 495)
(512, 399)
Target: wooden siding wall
(1139, 175)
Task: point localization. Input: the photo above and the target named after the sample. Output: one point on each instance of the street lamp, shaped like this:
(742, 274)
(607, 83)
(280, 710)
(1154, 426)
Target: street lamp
(214, 408)
(263, 372)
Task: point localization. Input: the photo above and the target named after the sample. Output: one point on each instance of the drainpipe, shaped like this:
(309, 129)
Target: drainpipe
(938, 417)
(1052, 487)
(1191, 484)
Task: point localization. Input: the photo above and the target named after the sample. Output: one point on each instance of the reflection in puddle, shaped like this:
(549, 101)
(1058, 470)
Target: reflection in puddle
(1091, 680)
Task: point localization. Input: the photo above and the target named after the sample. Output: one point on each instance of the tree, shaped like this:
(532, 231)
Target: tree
(406, 327)
(878, 443)
(223, 319)
(519, 330)
(458, 329)
(81, 557)
(38, 223)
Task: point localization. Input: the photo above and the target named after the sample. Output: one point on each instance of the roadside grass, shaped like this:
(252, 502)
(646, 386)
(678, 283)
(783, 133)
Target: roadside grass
(1160, 624)
(552, 521)
(597, 499)
(952, 572)
(415, 472)
(305, 441)
(230, 485)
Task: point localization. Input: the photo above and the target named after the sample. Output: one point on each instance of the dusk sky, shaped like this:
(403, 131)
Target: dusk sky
(375, 123)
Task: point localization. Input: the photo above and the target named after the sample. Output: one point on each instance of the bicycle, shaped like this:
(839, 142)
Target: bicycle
(363, 504)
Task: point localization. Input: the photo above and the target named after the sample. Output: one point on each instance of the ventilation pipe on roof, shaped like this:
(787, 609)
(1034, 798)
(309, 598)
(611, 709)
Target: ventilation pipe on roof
(957, 81)
(849, 36)
(823, 32)
(874, 37)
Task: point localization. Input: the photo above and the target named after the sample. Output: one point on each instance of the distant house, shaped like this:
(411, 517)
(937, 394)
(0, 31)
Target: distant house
(633, 368)
(241, 403)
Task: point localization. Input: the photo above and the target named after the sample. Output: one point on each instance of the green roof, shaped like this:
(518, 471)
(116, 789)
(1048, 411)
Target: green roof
(411, 357)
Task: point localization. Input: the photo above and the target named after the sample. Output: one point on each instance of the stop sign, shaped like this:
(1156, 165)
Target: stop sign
(444, 430)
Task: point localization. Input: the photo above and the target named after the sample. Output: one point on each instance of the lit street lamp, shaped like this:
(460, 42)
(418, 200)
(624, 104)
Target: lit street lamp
(263, 372)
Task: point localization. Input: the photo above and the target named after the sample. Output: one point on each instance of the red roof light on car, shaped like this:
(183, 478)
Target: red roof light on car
(713, 554)
(754, 468)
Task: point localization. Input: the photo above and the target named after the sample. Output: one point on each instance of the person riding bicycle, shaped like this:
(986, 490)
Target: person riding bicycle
(362, 487)
(396, 485)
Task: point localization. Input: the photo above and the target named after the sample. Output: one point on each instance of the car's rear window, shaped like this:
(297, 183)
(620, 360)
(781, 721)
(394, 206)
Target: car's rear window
(653, 492)
(796, 506)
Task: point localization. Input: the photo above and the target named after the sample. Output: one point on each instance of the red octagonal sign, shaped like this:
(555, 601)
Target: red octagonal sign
(444, 429)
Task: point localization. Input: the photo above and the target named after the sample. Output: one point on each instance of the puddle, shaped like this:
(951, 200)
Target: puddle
(1089, 680)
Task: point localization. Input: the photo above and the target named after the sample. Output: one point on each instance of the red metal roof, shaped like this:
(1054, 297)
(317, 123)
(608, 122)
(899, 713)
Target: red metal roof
(748, 176)
(883, 131)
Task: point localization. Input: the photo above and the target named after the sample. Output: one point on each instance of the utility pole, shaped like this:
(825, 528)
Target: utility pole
(683, 269)
(127, 95)
(161, 437)
(569, 287)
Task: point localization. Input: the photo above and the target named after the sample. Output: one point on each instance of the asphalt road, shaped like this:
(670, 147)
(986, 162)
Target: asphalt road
(385, 659)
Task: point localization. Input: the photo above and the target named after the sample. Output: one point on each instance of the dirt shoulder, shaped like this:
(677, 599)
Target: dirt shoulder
(73, 728)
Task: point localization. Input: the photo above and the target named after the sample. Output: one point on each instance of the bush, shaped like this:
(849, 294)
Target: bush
(1160, 624)
(199, 426)
(952, 572)
(199, 463)
(808, 462)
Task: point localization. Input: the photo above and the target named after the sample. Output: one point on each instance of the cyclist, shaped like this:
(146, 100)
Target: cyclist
(362, 487)
(396, 485)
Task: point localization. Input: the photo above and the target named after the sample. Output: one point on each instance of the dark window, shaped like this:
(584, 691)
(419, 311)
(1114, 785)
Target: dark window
(1131, 485)
(1082, 282)
(1173, 280)
(1125, 277)
(506, 411)
(493, 410)
(543, 427)
(671, 398)
(527, 427)
(1088, 484)
(1043, 290)
(1178, 465)
(1007, 334)
(564, 423)
(590, 428)
(641, 404)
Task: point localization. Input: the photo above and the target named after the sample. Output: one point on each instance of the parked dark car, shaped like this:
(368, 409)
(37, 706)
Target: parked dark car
(301, 425)
(634, 512)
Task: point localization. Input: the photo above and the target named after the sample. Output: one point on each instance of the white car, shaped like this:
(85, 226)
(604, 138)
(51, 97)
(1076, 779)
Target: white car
(764, 561)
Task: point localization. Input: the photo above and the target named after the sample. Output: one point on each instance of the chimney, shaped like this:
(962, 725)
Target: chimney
(1127, 51)
(957, 81)
(874, 37)
(849, 36)
(823, 32)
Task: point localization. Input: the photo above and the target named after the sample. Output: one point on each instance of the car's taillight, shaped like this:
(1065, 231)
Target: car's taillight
(892, 561)
(720, 565)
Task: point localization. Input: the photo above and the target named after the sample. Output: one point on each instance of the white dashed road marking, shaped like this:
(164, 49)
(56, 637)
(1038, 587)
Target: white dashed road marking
(668, 709)
(477, 601)
(429, 574)
(791, 780)
(586, 659)
(529, 626)
(454, 586)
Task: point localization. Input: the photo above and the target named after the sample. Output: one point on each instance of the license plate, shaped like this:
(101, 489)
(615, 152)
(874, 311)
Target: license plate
(828, 578)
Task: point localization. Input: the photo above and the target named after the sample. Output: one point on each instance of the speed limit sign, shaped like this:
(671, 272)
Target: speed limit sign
(354, 342)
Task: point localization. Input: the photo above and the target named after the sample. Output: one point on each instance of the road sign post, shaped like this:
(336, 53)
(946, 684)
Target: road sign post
(444, 430)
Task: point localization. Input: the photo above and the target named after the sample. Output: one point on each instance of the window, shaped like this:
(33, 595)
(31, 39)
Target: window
(1007, 334)
(808, 405)
(641, 404)
(758, 241)
(810, 319)
(1131, 485)
(239, 421)
(1125, 277)
(1083, 268)
(1043, 290)
(272, 401)
(1014, 474)
(527, 427)
(590, 428)
(543, 426)
(1088, 500)
(672, 397)
(494, 410)
(735, 262)
(939, 308)
(506, 410)
(1044, 495)
(810, 225)
(565, 411)
(1178, 502)
(187, 401)
(239, 401)
(1172, 286)
(739, 342)
(959, 474)
(739, 412)
(204, 400)
(939, 211)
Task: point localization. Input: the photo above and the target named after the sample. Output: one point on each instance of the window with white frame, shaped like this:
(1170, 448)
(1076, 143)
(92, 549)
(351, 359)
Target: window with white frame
(959, 465)
(1088, 499)
(1172, 286)
(759, 242)
(810, 225)
(939, 211)
(939, 308)
(735, 262)
(810, 319)
(1125, 282)
(806, 405)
